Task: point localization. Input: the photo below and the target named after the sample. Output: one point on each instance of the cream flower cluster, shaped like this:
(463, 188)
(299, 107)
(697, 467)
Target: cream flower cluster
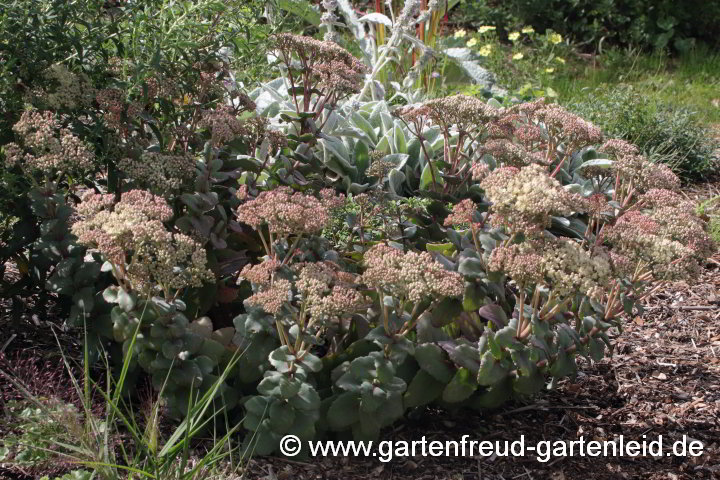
(524, 199)
(130, 234)
(285, 212)
(46, 145)
(561, 264)
(509, 154)
(161, 172)
(645, 241)
(414, 276)
(479, 171)
(69, 90)
(464, 112)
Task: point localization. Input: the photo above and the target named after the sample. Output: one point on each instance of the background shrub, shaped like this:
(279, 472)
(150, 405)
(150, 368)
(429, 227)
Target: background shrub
(667, 134)
(648, 23)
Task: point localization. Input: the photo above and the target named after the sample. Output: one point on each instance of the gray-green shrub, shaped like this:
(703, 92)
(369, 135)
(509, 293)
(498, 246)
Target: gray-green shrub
(667, 134)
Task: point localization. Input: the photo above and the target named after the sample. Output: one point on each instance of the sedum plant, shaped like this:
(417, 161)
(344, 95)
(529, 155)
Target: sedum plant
(343, 261)
(534, 238)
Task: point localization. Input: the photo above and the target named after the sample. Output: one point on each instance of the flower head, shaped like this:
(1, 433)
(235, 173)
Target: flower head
(285, 212)
(486, 28)
(571, 128)
(485, 50)
(411, 275)
(513, 36)
(460, 34)
(561, 264)
(69, 90)
(161, 172)
(518, 56)
(657, 243)
(524, 199)
(130, 234)
(555, 38)
(462, 214)
(47, 146)
(528, 30)
(461, 111)
(472, 42)
(511, 154)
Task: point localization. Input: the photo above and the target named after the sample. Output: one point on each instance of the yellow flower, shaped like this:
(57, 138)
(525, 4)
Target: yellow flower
(460, 33)
(486, 28)
(518, 56)
(485, 50)
(555, 38)
(528, 29)
(513, 36)
(472, 42)
(560, 60)
(549, 70)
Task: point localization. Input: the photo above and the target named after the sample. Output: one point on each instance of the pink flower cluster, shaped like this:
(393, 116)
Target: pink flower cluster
(460, 111)
(323, 290)
(223, 123)
(328, 292)
(462, 214)
(412, 276)
(331, 66)
(117, 109)
(286, 212)
(669, 241)
(130, 234)
(509, 154)
(47, 146)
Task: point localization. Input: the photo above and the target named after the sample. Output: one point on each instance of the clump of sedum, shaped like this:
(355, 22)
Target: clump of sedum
(145, 256)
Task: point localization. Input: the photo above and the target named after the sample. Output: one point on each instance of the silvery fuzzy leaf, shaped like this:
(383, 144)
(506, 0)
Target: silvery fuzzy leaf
(415, 41)
(598, 163)
(378, 89)
(376, 17)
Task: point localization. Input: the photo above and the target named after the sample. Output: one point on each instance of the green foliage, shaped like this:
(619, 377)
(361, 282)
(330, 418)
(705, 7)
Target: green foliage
(651, 24)
(73, 475)
(525, 63)
(689, 80)
(34, 431)
(711, 209)
(667, 134)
